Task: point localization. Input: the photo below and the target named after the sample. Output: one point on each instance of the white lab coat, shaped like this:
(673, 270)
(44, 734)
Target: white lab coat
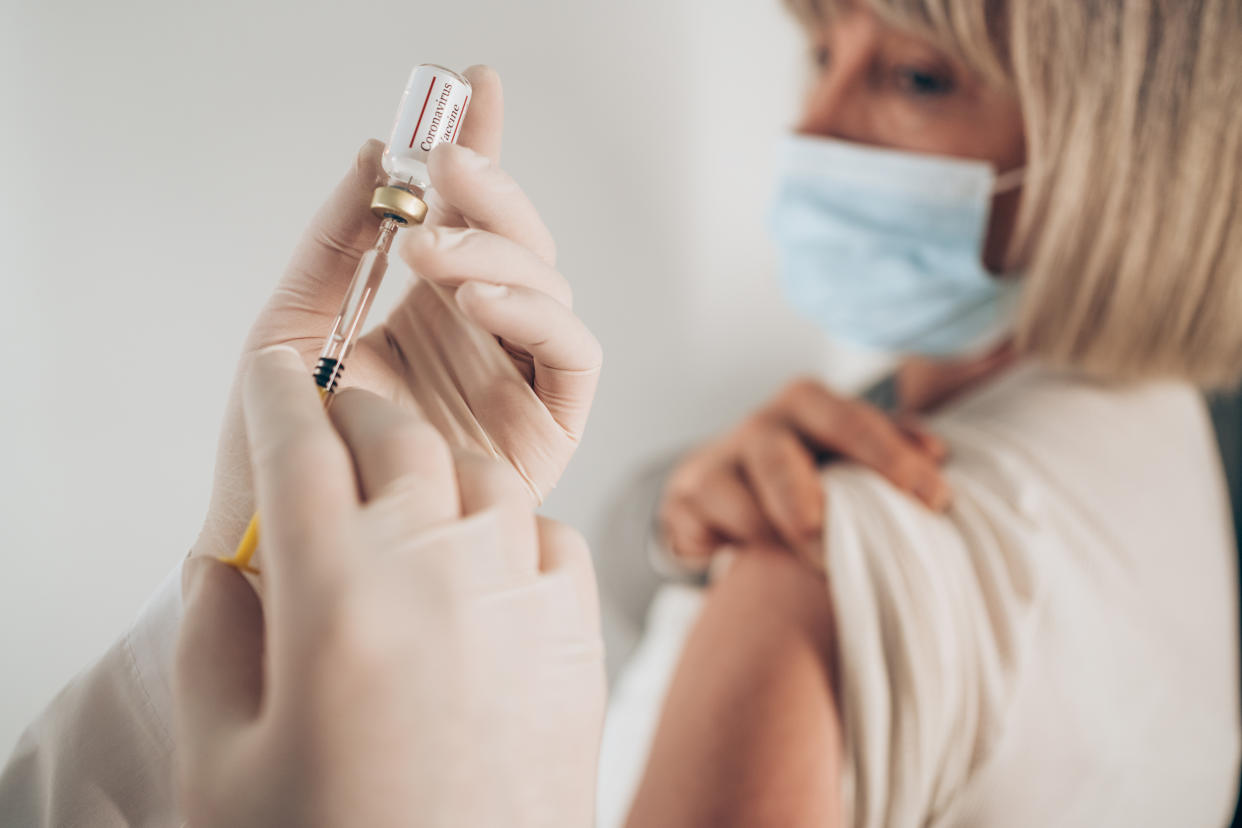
(101, 754)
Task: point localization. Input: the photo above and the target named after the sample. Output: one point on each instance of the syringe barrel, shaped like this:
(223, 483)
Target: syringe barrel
(431, 112)
(347, 325)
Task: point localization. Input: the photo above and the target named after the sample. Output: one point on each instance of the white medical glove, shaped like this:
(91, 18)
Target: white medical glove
(499, 273)
(427, 653)
(525, 400)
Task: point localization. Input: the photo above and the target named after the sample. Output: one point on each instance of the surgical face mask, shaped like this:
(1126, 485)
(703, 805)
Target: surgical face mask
(884, 248)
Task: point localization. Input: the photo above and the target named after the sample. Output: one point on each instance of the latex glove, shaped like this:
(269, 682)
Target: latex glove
(759, 484)
(426, 653)
(526, 401)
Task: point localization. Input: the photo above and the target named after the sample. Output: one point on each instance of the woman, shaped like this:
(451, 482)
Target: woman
(1040, 204)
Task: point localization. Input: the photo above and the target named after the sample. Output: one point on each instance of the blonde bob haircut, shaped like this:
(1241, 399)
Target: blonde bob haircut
(1130, 230)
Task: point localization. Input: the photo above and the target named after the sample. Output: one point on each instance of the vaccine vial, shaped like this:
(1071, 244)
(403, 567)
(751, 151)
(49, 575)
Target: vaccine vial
(431, 112)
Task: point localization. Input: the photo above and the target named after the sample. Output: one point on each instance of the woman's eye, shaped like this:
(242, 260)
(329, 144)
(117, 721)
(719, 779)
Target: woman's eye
(921, 83)
(821, 56)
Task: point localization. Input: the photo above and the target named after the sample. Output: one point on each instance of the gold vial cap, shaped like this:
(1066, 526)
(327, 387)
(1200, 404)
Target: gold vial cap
(403, 205)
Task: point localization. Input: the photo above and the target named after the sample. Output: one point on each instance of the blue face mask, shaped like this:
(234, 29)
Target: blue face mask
(884, 248)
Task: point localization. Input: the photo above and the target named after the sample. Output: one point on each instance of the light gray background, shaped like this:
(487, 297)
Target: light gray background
(159, 159)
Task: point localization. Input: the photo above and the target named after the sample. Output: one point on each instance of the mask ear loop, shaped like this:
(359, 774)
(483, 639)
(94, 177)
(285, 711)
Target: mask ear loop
(1009, 180)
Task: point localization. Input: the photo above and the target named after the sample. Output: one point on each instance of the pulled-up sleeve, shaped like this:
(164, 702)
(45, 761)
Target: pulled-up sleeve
(931, 611)
(1059, 648)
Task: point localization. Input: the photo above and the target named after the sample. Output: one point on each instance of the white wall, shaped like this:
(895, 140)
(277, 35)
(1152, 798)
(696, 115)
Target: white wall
(158, 159)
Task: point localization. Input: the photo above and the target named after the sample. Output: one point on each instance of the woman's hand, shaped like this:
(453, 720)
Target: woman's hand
(519, 386)
(426, 649)
(760, 484)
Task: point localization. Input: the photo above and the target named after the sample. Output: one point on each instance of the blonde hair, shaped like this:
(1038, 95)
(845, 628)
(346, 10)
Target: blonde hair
(1130, 231)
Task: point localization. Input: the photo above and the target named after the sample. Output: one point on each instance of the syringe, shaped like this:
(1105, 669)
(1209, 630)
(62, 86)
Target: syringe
(431, 112)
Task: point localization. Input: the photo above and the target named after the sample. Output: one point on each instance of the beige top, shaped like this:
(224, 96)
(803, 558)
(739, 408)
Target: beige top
(1061, 647)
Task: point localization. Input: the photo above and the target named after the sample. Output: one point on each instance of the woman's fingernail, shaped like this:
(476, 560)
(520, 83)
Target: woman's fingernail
(933, 493)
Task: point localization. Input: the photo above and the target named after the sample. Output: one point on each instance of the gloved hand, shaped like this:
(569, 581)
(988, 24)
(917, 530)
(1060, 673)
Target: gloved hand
(427, 652)
(759, 484)
(484, 245)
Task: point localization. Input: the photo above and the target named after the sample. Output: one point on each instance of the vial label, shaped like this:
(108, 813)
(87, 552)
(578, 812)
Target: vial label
(432, 109)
